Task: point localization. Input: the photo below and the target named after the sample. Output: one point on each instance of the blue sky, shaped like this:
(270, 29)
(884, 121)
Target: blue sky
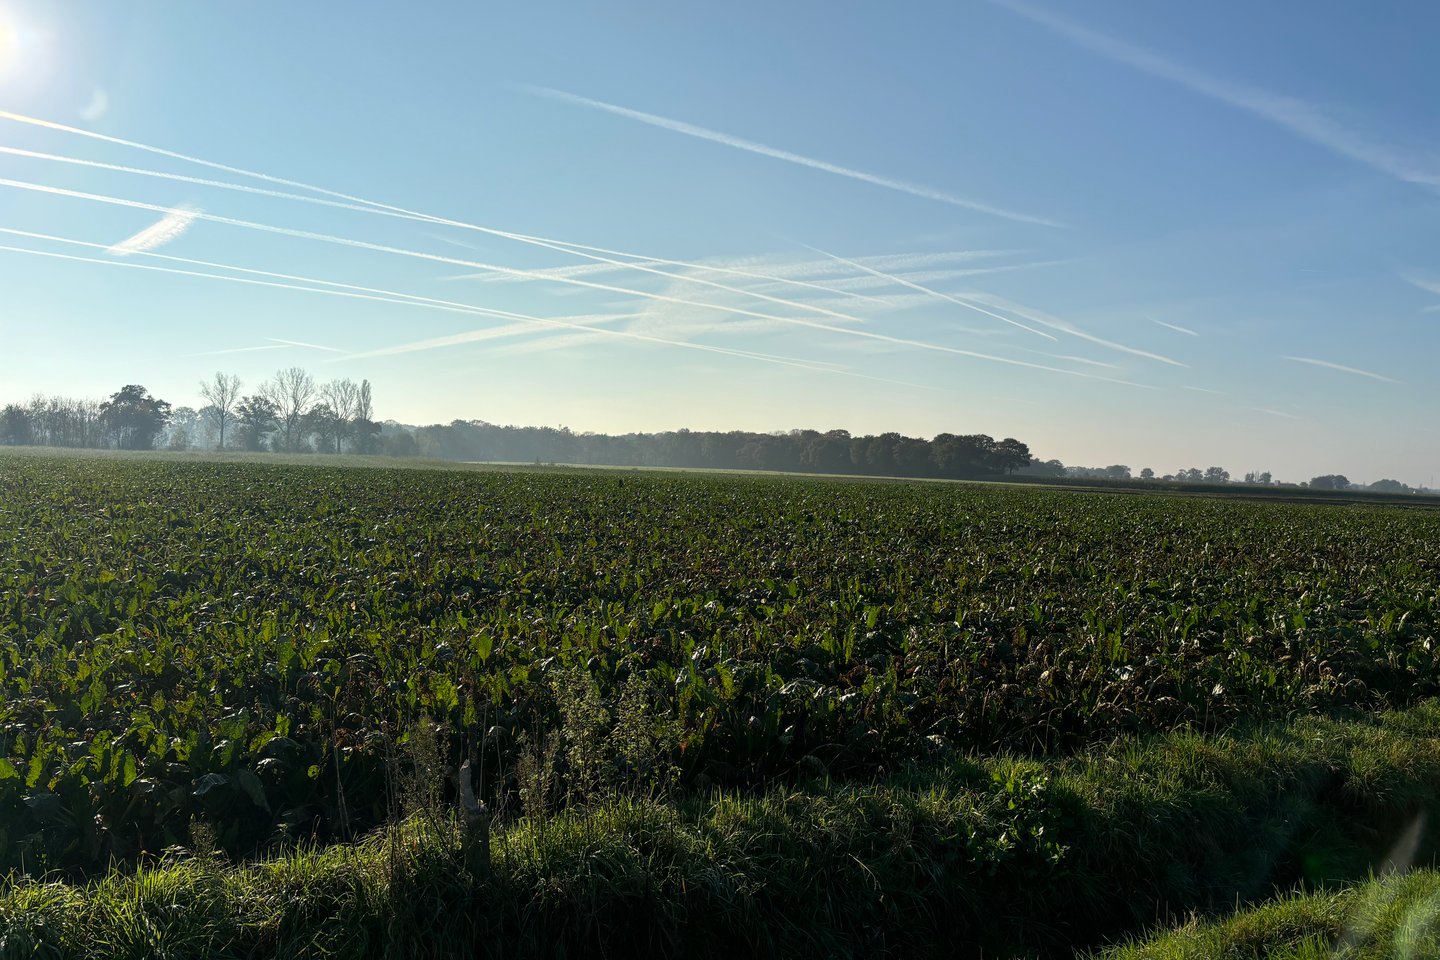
(1160, 235)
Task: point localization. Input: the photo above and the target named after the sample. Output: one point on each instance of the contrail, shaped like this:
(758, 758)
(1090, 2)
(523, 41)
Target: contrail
(690, 129)
(1086, 360)
(1053, 323)
(1218, 393)
(1178, 329)
(470, 336)
(1289, 113)
(360, 205)
(575, 248)
(381, 248)
(794, 304)
(299, 343)
(167, 229)
(222, 353)
(427, 302)
(1277, 413)
(1342, 368)
(934, 293)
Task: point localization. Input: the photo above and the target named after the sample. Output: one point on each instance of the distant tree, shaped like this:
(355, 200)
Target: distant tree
(180, 433)
(1330, 481)
(256, 416)
(1147, 474)
(342, 397)
(322, 423)
(1010, 455)
(1262, 478)
(292, 392)
(1217, 475)
(15, 427)
(133, 418)
(1193, 475)
(223, 392)
(1048, 468)
(1390, 486)
(400, 444)
(365, 430)
(1117, 471)
(958, 457)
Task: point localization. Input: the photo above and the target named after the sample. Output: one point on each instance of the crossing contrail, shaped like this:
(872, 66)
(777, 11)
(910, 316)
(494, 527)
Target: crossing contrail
(515, 271)
(934, 293)
(167, 229)
(353, 291)
(596, 254)
(750, 146)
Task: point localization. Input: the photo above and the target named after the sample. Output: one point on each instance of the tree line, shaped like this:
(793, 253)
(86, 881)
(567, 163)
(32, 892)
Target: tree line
(1212, 475)
(290, 413)
(946, 456)
(293, 413)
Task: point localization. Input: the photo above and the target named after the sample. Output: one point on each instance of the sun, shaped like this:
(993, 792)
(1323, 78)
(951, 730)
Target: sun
(25, 54)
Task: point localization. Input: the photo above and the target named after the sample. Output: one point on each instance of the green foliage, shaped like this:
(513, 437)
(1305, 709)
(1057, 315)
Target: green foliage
(246, 645)
(966, 858)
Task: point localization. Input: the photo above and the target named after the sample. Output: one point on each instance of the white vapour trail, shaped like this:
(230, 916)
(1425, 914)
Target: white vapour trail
(849, 285)
(230, 350)
(1218, 393)
(475, 336)
(584, 251)
(380, 295)
(301, 343)
(636, 265)
(1423, 282)
(1342, 368)
(381, 248)
(457, 308)
(403, 299)
(1054, 323)
(165, 230)
(934, 293)
(690, 129)
(780, 273)
(1277, 413)
(1176, 327)
(576, 248)
(1085, 360)
(1301, 118)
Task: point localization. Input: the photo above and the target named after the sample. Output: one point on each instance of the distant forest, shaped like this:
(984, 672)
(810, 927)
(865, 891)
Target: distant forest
(293, 413)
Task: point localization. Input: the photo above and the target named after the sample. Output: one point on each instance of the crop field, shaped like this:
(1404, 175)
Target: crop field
(278, 655)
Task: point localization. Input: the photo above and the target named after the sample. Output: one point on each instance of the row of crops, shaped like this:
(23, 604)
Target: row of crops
(273, 651)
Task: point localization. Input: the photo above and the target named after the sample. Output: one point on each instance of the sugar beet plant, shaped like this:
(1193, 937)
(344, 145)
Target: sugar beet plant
(249, 646)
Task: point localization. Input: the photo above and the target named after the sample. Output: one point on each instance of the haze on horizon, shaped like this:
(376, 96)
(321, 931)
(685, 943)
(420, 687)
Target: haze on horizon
(1158, 236)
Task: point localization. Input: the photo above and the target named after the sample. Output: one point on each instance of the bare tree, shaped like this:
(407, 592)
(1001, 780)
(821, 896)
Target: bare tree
(223, 393)
(291, 391)
(343, 397)
(365, 429)
(364, 407)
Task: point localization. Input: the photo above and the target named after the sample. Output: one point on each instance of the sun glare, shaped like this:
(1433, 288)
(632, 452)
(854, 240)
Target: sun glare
(23, 54)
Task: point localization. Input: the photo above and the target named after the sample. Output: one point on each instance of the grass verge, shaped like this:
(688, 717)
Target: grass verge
(1396, 918)
(990, 857)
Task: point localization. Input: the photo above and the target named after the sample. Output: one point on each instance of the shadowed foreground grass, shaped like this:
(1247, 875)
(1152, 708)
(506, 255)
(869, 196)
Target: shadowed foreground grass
(995, 857)
(1393, 919)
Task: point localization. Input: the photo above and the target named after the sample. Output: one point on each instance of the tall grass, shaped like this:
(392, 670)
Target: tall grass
(963, 857)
